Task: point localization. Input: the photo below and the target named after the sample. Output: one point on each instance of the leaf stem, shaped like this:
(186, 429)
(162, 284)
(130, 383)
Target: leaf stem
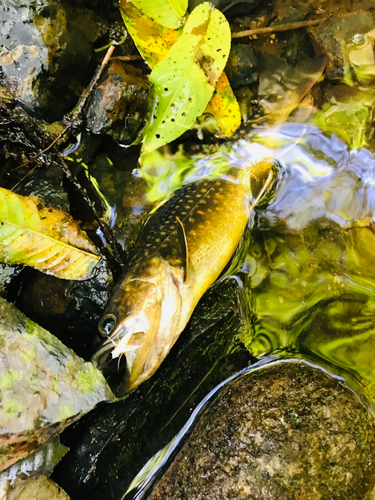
(280, 27)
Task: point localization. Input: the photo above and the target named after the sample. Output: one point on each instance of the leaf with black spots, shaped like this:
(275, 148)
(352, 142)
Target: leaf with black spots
(168, 13)
(185, 79)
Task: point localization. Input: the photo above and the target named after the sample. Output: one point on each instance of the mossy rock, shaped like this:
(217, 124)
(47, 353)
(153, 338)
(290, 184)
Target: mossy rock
(288, 431)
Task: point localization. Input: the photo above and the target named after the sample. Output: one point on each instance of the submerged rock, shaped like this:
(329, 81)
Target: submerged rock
(338, 36)
(241, 68)
(44, 386)
(287, 431)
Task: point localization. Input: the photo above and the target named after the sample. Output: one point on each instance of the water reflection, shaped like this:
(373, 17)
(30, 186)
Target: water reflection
(312, 259)
(309, 275)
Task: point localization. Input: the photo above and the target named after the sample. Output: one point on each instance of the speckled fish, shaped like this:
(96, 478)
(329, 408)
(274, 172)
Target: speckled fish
(185, 246)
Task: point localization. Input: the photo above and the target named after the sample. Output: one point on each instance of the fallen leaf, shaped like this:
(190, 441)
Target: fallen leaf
(43, 237)
(185, 79)
(151, 39)
(168, 13)
(224, 107)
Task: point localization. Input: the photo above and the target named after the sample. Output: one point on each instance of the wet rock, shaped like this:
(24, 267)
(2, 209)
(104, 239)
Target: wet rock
(119, 104)
(34, 488)
(47, 185)
(44, 386)
(69, 309)
(42, 461)
(337, 36)
(7, 274)
(47, 48)
(241, 66)
(288, 431)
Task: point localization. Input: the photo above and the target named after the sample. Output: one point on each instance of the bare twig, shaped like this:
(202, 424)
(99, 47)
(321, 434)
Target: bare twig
(24, 177)
(61, 134)
(87, 95)
(79, 108)
(128, 58)
(280, 27)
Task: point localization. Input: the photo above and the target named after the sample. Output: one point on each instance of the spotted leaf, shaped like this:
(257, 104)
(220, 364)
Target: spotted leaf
(224, 107)
(168, 13)
(43, 237)
(185, 79)
(151, 38)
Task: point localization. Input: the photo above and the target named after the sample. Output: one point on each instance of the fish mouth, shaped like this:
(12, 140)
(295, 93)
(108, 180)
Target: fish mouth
(109, 357)
(103, 360)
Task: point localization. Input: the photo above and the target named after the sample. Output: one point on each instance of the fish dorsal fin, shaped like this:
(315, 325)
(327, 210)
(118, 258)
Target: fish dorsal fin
(184, 246)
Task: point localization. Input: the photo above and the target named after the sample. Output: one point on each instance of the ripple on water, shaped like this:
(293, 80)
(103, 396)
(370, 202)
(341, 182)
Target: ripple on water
(312, 259)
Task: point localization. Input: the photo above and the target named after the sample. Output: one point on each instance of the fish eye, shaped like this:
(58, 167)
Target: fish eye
(107, 324)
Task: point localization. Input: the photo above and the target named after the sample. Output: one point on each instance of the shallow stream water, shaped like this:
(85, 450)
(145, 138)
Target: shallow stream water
(309, 275)
(312, 258)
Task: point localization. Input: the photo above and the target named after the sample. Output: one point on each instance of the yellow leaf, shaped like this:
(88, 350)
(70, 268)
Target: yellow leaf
(152, 39)
(224, 107)
(185, 79)
(43, 237)
(168, 13)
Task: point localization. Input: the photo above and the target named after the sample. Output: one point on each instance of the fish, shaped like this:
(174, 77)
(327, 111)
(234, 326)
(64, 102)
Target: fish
(185, 245)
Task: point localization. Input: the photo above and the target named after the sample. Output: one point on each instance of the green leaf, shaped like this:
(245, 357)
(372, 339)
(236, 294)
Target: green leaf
(151, 39)
(224, 107)
(168, 13)
(43, 237)
(185, 79)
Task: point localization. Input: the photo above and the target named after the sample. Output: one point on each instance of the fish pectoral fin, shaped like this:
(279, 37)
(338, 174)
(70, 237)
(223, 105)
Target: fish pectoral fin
(184, 246)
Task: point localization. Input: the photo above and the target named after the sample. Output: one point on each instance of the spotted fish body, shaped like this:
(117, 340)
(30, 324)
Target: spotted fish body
(185, 246)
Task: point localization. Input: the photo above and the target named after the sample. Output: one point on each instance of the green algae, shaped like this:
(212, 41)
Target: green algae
(9, 378)
(12, 408)
(87, 380)
(65, 412)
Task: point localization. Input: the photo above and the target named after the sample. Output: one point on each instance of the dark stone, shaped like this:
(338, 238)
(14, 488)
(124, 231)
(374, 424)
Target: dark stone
(119, 104)
(241, 66)
(69, 309)
(47, 185)
(287, 431)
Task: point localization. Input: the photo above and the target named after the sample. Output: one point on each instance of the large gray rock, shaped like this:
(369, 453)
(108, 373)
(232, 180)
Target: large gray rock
(44, 386)
(284, 432)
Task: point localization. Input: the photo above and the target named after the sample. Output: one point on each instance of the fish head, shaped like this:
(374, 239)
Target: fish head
(141, 320)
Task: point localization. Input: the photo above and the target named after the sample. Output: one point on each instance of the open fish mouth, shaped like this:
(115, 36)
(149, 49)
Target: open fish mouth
(104, 358)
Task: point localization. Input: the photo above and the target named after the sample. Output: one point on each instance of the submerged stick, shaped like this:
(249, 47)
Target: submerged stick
(280, 27)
